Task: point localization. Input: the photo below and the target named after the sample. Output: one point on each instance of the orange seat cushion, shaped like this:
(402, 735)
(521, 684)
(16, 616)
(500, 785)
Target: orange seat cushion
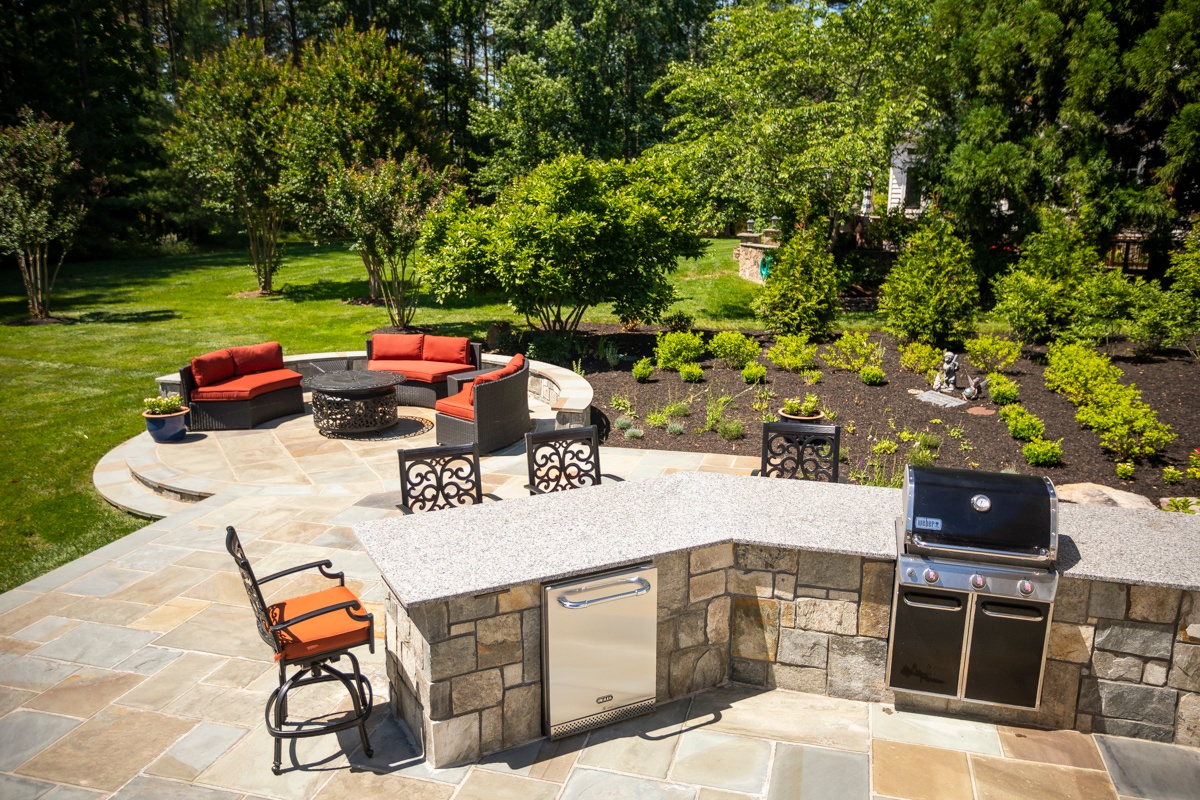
(397, 346)
(458, 405)
(213, 368)
(449, 349)
(323, 634)
(257, 358)
(425, 371)
(247, 387)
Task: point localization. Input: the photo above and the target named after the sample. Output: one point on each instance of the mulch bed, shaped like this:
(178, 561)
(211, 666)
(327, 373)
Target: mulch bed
(1170, 384)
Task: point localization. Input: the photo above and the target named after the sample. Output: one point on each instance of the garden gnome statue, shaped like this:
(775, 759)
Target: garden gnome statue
(947, 379)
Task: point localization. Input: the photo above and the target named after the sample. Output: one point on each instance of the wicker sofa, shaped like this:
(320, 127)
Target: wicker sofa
(491, 409)
(425, 361)
(240, 387)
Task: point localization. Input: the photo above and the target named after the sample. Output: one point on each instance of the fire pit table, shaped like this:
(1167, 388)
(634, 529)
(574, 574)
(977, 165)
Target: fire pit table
(356, 401)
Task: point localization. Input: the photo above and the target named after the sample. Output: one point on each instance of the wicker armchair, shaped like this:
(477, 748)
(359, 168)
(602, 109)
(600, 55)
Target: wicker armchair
(500, 414)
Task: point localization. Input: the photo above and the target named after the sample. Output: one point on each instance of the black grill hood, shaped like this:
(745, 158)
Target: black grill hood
(985, 515)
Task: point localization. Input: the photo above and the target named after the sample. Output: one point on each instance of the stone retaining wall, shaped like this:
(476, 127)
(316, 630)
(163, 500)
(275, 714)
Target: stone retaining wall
(466, 673)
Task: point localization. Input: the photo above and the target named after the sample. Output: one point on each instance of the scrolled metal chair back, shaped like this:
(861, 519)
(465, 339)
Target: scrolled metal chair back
(801, 450)
(564, 459)
(433, 478)
(234, 545)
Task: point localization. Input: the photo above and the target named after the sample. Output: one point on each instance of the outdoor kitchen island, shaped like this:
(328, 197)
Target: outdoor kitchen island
(771, 583)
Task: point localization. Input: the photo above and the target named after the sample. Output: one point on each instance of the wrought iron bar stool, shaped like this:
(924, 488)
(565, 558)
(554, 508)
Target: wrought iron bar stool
(433, 478)
(310, 631)
(563, 459)
(801, 450)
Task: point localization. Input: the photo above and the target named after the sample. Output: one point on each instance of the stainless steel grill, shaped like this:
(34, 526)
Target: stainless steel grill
(975, 585)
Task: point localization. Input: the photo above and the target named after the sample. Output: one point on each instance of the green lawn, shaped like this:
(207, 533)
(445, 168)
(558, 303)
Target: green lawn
(70, 393)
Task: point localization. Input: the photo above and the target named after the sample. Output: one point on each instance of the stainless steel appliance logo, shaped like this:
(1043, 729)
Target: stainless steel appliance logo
(928, 523)
(604, 699)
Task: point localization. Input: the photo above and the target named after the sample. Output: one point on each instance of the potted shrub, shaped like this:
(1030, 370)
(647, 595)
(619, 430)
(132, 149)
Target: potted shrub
(166, 418)
(806, 410)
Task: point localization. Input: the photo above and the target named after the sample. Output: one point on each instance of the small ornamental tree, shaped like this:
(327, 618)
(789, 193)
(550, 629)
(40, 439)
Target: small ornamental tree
(801, 292)
(932, 294)
(383, 208)
(572, 234)
(231, 136)
(41, 203)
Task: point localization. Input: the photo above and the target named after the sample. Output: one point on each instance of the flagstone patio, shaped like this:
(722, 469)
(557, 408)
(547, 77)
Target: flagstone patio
(136, 672)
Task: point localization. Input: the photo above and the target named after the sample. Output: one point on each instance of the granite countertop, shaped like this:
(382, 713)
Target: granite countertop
(476, 549)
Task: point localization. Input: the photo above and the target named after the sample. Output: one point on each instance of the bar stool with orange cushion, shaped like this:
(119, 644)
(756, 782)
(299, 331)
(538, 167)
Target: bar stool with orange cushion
(312, 631)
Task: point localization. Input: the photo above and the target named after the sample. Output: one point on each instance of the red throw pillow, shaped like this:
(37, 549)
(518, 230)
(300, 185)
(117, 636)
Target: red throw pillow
(447, 349)
(398, 347)
(213, 368)
(516, 362)
(257, 358)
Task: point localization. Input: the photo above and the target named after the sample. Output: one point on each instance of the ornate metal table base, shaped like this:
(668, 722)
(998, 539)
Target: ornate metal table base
(341, 415)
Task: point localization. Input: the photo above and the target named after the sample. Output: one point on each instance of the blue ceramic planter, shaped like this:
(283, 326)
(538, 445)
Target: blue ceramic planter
(167, 427)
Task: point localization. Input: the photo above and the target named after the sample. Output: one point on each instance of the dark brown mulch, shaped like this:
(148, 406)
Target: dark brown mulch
(1170, 384)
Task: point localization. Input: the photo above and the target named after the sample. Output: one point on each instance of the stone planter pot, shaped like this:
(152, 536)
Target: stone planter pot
(820, 415)
(167, 427)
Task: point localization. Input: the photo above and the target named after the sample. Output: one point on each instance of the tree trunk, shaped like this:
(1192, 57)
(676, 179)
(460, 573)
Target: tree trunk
(34, 261)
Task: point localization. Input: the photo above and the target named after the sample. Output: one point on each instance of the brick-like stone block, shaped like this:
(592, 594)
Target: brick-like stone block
(717, 620)
(827, 616)
(463, 609)
(477, 690)
(707, 559)
(753, 673)
(691, 630)
(519, 598)
(491, 730)
(696, 668)
(462, 628)
(706, 586)
(754, 584)
(875, 608)
(499, 640)
(531, 643)
(755, 627)
(796, 679)
(1128, 701)
(1187, 720)
(812, 591)
(1189, 618)
(803, 648)
(1071, 602)
(829, 570)
(856, 667)
(513, 674)
(1155, 673)
(1071, 641)
(439, 703)
(1136, 638)
(522, 714)
(1132, 729)
(672, 583)
(453, 741)
(1154, 604)
(1117, 667)
(785, 586)
(431, 620)
(1185, 670)
(451, 657)
(756, 557)
(1108, 600)
(787, 615)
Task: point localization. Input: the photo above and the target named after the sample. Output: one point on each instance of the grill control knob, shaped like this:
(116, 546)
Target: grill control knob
(1025, 587)
(931, 576)
(977, 581)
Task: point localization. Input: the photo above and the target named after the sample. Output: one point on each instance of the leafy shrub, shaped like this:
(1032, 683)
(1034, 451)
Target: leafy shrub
(800, 294)
(675, 429)
(1078, 372)
(691, 373)
(793, 353)
(885, 447)
(171, 404)
(1193, 470)
(919, 457)
(735, 349)
(1127, 426)
(932, 293)
(1002, 389)
(678, 321)
(990, 354)
(714, 410)
(811, 377)
(643, 370)
(673, 350)
(555, 348)
(657, 419)
(1104, 303)
(907, 435)
(1172, 476)
(1182, 505)
(808, 407)
(872, 376)
(677, 409)
(1022, 424)
(957, 432)
(929, 441)
(1165, 319)
(1042, 453)
(754, 373)
(620, 402)
(853, 351)
(623, 423)
(634, 433)
(731, 429)
(1125, 470)
(923, 359)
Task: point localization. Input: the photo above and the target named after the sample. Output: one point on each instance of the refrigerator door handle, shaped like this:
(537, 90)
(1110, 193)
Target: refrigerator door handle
(642, 584)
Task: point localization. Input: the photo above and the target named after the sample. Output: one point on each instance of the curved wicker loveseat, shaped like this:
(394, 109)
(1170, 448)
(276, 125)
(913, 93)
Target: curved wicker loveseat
(240, 387)
(425, 361)
(492, 409)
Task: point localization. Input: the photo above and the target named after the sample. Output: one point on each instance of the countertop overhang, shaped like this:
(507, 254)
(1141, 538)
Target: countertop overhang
(472, 550)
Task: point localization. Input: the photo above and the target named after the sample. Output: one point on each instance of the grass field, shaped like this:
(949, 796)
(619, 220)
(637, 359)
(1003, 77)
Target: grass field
(69, 393)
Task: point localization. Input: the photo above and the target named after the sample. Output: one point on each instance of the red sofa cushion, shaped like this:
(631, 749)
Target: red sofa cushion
(213, 368)
(448, 349)
(457, 405)
(398, 347)
(257, 358)
(247, 387)
(423, 371)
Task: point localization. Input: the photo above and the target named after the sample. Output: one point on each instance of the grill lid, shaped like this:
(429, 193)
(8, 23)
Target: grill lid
(1001, 513)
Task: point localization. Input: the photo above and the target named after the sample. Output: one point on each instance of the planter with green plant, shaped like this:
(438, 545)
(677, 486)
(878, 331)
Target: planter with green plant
(166, 418)
(806, 410)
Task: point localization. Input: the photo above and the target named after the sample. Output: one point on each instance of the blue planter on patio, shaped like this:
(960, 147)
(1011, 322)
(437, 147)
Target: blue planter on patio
(167, 427)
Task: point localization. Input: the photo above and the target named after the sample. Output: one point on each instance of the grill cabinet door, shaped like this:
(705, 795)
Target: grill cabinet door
(1008, 648)
(927, 640)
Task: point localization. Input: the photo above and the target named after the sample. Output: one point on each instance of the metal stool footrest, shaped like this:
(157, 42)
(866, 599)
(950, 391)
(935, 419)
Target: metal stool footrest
(357, 685)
